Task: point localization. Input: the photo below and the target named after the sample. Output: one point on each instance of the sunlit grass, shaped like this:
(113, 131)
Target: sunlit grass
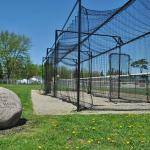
(90, 132)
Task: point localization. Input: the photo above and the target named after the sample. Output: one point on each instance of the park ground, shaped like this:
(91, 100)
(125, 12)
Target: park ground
(85, 132)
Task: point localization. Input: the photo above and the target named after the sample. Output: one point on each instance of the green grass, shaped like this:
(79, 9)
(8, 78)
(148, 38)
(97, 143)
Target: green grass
(91, 132)
(138, 91)
(24, 92)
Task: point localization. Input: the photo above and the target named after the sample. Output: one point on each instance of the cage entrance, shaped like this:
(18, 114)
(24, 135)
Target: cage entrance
(119, 69)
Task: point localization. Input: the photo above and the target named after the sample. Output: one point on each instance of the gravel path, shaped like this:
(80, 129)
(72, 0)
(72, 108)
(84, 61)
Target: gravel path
(47, 105)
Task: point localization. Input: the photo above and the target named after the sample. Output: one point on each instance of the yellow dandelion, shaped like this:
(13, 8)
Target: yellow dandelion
(73, 132)
(127, 142)
(89, 141)
(98, 142)
(108, 138)
(40, 147)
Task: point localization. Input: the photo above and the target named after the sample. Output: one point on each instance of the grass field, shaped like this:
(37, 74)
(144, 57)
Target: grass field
(90, 132)
(103, 89)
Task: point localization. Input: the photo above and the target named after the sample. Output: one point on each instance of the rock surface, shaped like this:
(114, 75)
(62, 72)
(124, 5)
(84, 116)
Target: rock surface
(10, 108)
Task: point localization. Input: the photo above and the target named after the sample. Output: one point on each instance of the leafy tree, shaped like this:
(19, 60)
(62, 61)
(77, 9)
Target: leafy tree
(40, 70)
(85, 73)
(31, 69)
(102, 74)
(64, 72)
(95, 74)
(13, 51)
(141, 64)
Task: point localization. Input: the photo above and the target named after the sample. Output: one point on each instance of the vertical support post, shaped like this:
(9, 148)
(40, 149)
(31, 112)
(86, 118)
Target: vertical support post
(129, 65)
(42, 74)
(49, 75)
(79, 49)
(135, 83)
(119, 77)
(147, 88)
(46, 76)
(110, 79)
(55, 65)
(90, 73)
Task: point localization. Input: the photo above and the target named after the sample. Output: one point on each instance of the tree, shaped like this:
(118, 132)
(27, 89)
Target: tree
(40, 70)
(31, 69)
(102, 74)
(141, 64)
(13, 51)
(64, 72)
(95, 74)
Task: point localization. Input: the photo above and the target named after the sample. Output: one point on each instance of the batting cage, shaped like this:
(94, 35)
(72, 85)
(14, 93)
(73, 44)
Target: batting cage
(100, 55)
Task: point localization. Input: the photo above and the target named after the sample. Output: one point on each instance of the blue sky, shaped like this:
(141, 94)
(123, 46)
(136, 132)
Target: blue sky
(38, 19)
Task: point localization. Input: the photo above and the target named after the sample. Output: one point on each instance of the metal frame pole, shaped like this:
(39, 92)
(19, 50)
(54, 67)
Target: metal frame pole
(42, 74)
(79, 49)
(55, 65)
(120, 42)
(110, 79)
(46, 77)
(119, 77)
(90, 73)
(147, 88)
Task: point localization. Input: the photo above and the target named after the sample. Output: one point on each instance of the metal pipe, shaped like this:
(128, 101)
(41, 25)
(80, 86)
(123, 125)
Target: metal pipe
(42, 74)
(87, 33)
(104, 23)
(119, 77)
(79, 49)
(55, 65)
(125, 43)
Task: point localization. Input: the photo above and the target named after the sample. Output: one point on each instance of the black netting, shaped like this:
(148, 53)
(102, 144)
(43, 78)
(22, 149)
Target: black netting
(114, 56)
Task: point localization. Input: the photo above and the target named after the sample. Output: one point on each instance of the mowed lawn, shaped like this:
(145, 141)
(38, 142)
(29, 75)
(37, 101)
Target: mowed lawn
(85, 132)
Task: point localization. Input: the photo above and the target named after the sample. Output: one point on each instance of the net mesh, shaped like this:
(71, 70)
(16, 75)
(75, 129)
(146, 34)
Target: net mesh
(102, 34)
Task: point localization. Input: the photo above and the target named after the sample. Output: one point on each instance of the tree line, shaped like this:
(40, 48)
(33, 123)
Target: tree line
(15, 61)
(66, 73)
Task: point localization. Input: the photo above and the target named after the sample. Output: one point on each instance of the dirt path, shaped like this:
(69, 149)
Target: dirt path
(46, 105)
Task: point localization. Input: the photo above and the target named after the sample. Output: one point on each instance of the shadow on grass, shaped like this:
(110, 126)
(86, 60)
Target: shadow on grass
(21, 122)
(15, 129)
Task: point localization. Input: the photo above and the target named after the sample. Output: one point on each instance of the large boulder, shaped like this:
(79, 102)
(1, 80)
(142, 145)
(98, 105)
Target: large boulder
(10, 108)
